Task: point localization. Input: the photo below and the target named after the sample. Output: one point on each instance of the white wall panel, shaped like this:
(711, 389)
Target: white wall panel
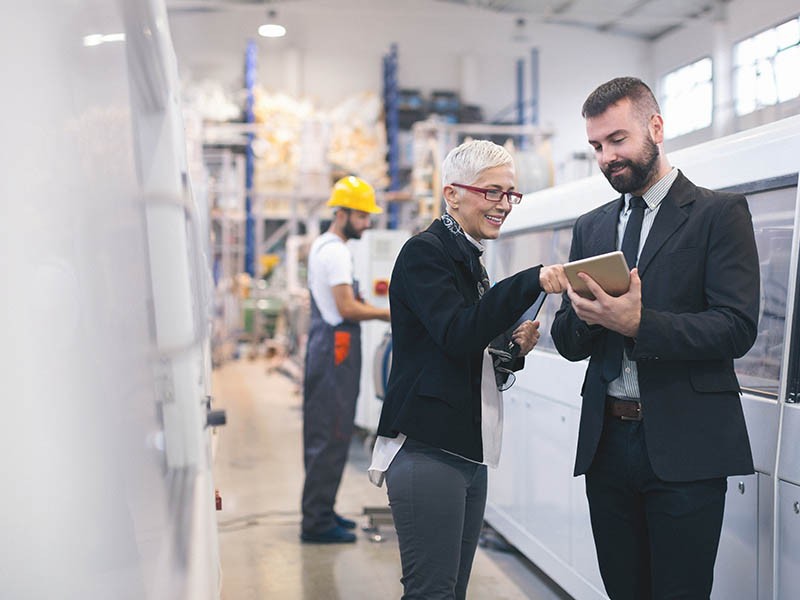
(91, 508)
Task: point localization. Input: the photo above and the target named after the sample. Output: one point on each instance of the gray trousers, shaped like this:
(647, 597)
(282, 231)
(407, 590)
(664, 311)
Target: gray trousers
(330, 390)
(437, 501)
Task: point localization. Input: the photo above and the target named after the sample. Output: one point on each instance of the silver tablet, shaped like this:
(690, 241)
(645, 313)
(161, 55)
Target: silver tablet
(609, 270)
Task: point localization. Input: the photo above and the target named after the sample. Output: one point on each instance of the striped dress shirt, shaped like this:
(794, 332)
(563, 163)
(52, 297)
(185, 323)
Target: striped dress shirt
(627, 384)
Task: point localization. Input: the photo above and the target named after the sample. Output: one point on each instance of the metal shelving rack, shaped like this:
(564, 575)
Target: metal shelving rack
(227, 223)
(390, 100)
(433, 138)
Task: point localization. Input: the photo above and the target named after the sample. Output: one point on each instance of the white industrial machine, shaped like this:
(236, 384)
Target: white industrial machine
(373, 258)
(105, 452)
(535, 502)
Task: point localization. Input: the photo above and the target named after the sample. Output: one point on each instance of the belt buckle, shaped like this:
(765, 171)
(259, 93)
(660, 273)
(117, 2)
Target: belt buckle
(638, 416)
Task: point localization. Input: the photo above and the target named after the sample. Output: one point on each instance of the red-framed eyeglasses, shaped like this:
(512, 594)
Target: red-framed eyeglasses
(492, 194)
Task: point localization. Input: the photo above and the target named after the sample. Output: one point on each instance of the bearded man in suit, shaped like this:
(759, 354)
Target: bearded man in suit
(661, 422)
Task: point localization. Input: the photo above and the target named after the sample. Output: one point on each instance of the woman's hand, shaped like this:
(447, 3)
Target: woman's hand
(526, 336)
(553, 279)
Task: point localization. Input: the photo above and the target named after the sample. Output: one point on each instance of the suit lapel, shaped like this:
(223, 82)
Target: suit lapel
(670, 217)
(606, 231)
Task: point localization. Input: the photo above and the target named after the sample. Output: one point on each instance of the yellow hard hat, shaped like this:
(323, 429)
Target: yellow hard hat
(354, 193)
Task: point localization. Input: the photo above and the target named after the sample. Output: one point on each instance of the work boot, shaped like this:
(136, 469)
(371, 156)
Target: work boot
(343, 522)
(334, 535)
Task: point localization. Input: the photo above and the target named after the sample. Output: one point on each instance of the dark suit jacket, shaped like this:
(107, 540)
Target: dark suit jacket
(700, 299)
(440, 330)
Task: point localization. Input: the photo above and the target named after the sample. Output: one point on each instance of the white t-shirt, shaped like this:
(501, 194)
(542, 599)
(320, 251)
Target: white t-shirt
(329, 263)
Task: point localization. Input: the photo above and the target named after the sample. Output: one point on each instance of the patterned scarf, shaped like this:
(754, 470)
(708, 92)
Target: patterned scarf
(471, 253)
(502, 350)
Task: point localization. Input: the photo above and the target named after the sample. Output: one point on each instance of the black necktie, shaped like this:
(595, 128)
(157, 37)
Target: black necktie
(633, 230)
(615, 342)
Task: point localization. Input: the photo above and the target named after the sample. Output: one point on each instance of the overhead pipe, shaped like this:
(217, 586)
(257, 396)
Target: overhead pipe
(534, 86)
(520, 99)
(390, 107)
(250, 67)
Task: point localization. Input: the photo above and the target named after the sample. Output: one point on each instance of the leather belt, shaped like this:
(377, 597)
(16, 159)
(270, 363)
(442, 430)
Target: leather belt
(626, 410)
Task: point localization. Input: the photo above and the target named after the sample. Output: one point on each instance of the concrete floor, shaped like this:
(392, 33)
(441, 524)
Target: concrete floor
(259, 473)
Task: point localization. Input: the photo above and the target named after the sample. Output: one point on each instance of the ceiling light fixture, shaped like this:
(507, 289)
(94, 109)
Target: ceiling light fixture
(96, 39)
(271, 28)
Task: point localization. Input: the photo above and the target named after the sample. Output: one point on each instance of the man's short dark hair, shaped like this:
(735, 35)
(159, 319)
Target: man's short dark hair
(617, 89)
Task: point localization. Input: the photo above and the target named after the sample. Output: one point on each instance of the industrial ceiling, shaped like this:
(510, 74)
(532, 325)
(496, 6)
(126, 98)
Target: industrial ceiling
(642, 19)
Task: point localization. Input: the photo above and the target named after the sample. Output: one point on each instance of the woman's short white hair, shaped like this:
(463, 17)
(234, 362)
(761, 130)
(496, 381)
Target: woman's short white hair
(466, 162)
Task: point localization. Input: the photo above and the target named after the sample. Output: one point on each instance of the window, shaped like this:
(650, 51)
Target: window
(772, 204)
(766, 67)
(687, 98)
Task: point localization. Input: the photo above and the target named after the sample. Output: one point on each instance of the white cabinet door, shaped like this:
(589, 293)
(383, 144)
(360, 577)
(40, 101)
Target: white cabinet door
(735, 574)
(507, 483)
(584, 554)
(549, 472)
(789, 541)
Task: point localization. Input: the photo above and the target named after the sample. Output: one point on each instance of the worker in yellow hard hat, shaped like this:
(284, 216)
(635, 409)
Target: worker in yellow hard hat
(354, 202)
(333, 360)
(354, 193)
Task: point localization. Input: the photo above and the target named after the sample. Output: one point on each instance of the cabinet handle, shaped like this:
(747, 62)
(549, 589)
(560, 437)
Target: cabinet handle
(797, 508)
(741, 487)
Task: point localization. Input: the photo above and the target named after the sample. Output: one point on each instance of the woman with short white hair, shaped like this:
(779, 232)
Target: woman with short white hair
(441, 423)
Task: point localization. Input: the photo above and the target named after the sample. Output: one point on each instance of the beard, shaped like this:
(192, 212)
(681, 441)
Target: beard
(350, 232)
(639, 172)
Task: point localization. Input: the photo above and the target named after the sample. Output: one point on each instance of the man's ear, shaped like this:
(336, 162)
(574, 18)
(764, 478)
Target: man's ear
(656, 126)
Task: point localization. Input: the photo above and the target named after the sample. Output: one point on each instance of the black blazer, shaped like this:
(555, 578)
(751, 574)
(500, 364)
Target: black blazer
(700, 302)
(440, 330)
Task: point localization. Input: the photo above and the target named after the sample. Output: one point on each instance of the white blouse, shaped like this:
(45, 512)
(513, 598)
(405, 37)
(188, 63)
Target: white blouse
(386, 448)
